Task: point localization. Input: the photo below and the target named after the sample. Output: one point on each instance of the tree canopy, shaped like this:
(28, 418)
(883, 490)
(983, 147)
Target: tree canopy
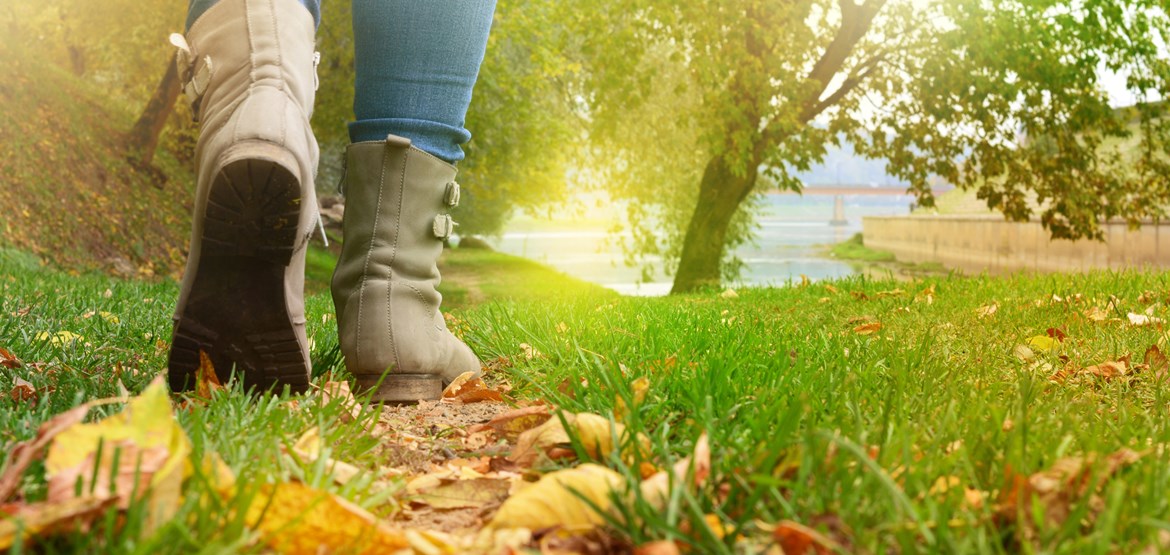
(1002, 96)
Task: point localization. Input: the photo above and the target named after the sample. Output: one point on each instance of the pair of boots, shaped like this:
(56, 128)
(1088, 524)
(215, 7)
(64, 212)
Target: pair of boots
(249, 71)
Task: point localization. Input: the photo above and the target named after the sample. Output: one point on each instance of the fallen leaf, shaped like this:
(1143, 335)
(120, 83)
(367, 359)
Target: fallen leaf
(1096, 314)
(530, 352)
(1043, 343)
(1140, 320)
(340, 391)
(729, 294)
(468, 388)
(891, 293)
(595, 432)
(867, 329)
(1056, 333)
(830, 289)
(206, 380)
(1108, 370)
(63, 337)
(797, 539)
(574, 498)
(1051, 493)
(9, 360)
(639, 387)
(987, 311)
(25, 452)
(1156, 360)
(296, 519)
(310, 448)
(22, 391)
(146, 444)
(1024, 353)
(511, 424)
(466, 494)
(40, 520)
(656, 489)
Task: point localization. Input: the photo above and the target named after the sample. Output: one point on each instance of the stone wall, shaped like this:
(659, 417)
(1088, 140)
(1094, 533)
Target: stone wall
(988, 243)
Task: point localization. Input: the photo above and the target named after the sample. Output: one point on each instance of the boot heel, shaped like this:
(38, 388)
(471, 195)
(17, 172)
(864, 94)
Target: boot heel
(407, 388)
(254, 205)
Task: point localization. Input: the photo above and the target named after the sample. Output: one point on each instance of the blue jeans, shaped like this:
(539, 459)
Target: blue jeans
(415, 65)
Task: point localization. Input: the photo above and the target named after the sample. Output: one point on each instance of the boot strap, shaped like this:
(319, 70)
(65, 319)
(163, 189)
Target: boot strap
(195, 73)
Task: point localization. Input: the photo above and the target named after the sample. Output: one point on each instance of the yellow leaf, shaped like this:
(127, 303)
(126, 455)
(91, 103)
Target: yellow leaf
(206, 380)
(1043, 343)
(552, 501)
(639, 386)
(986, 311)
(295, 519)
(138, 453)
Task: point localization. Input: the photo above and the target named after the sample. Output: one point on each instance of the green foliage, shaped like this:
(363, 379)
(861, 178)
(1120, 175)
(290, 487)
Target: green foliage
(1005, 97)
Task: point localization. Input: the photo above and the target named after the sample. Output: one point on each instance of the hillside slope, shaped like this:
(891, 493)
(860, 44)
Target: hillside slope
(67, 192)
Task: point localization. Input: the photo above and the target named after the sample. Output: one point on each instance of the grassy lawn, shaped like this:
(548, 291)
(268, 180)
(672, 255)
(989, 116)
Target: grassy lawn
(888, 416)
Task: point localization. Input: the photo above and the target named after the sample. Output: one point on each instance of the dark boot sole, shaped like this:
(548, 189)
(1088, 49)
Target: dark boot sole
(236, 310)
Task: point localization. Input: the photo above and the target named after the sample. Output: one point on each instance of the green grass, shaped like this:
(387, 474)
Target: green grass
(854, 249)
(808, 420)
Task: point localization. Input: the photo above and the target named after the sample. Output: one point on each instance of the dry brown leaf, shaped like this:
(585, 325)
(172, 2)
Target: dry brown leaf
(595, 432)
(797, 539)
(22, 391)
(25, 452)
(530, 352)
(466, 494)
(511, 424)
(40, 520)
(1108, 370)
(1096, 314)
(987, 311)
(1156, 360)
(867, 329)
(830, 289)
(9, 360)
(206, 380)
(1053, 491)
(340, 391)
(468, 388)
(295, 519)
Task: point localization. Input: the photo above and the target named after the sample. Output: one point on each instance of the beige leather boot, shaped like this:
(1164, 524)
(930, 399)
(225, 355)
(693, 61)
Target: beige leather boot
(384, 287)
(249, 71)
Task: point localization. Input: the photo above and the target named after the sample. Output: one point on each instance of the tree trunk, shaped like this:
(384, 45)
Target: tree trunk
(142, 140)
(720, 194)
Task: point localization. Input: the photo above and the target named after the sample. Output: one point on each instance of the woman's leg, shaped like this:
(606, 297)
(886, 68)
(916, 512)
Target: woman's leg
(197, 7)
(415, 65)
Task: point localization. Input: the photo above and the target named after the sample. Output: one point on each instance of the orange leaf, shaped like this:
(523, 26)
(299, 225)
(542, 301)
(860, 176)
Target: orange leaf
(206, 380)
(866, 329)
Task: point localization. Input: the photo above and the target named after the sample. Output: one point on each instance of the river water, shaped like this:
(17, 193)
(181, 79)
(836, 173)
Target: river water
(790, 242)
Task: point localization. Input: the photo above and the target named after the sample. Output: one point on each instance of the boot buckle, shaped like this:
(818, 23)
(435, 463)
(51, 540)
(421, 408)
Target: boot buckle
(451, 196)
(443, 226)
(194, 79)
